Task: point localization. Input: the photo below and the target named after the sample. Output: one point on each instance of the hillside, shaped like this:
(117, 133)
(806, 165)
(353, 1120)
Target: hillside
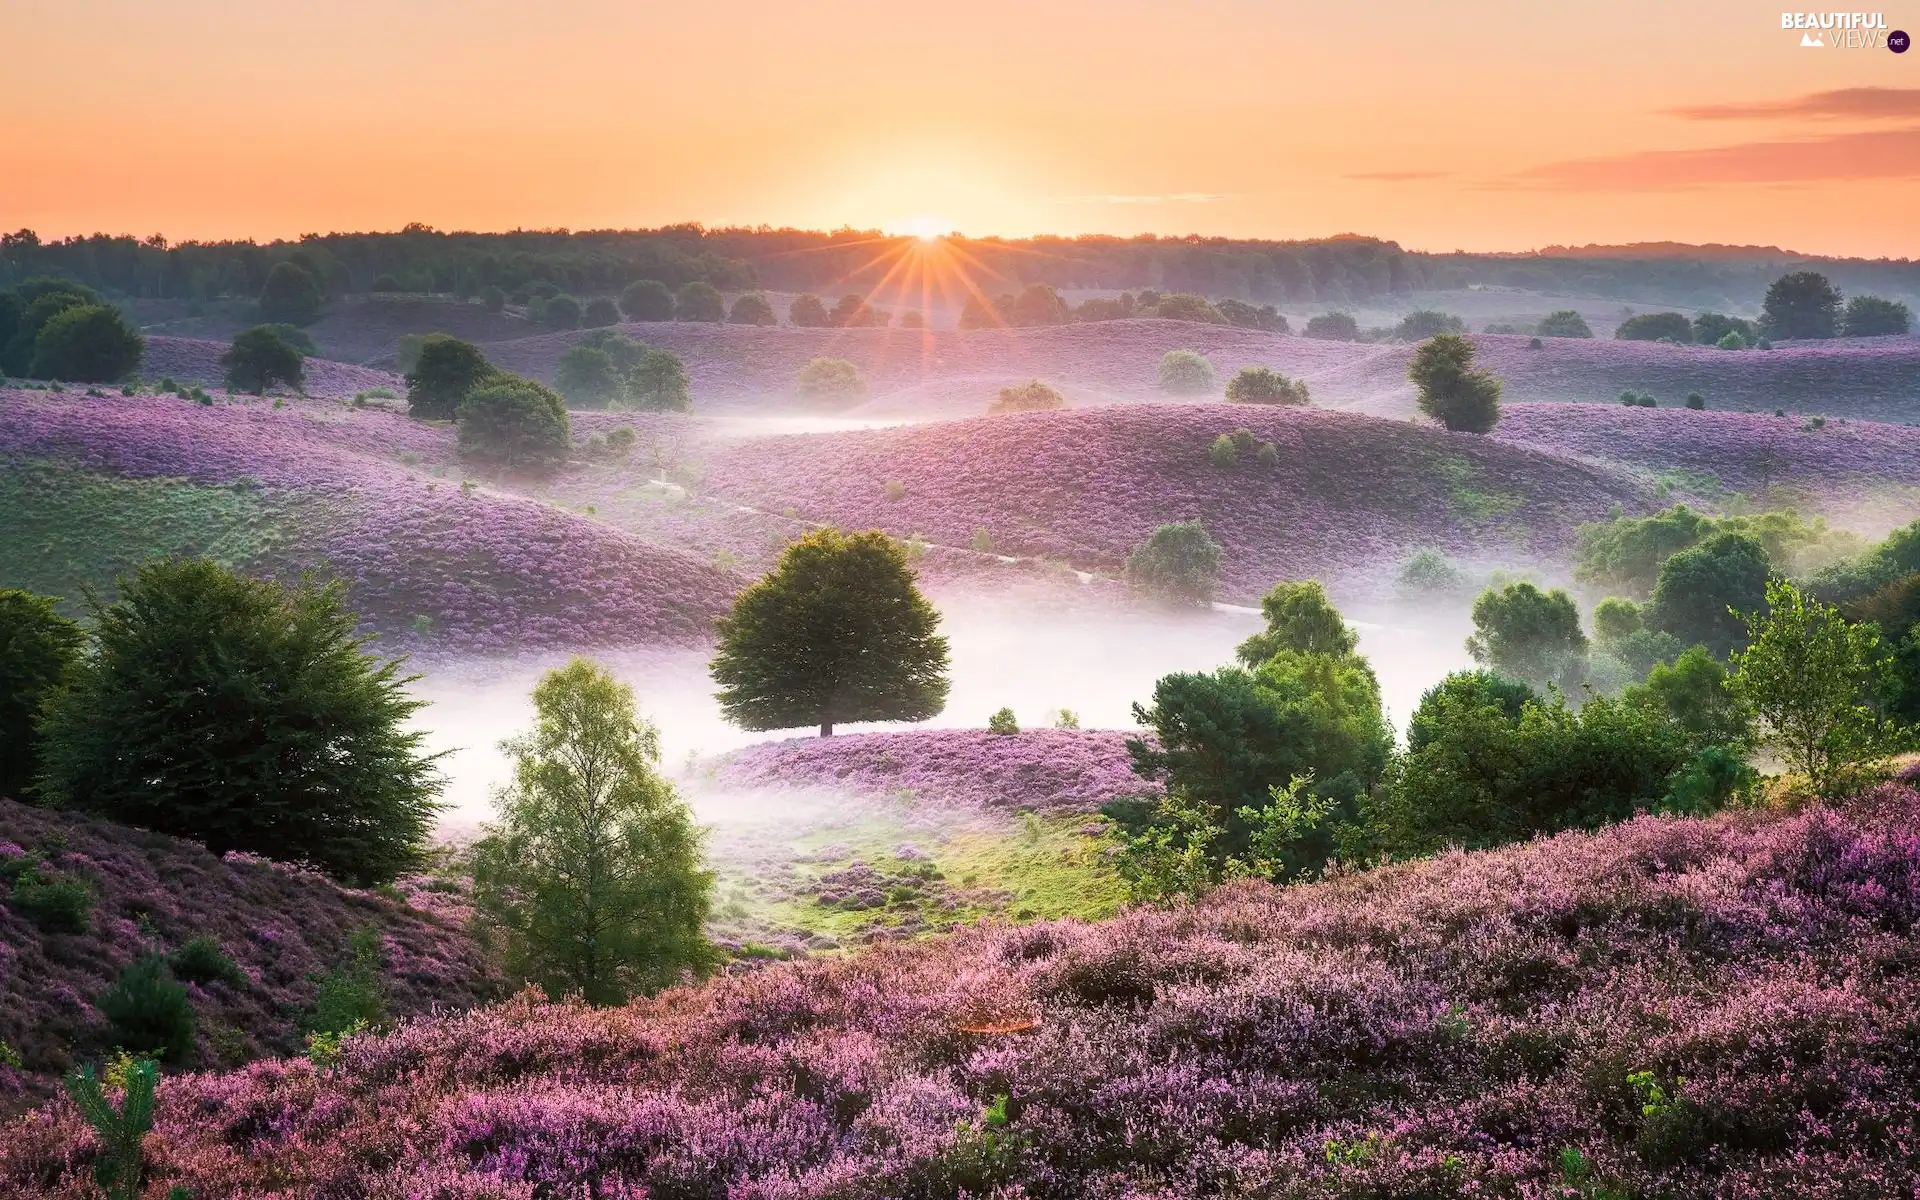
(280, 925)
(197, 360)
(1348, 493)
(1682, 1008)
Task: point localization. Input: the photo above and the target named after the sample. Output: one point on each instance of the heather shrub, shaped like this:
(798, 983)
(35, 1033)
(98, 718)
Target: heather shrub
(1264, 385)
(1429, 572)
(444, 374)
(1800, 304)
(1003, 721)
(559, 312)
(119, 1165)
(1424, 323)
(1334, 327)
(647, 300)
(201, 960)
(261, 357)
(1872, 316)
(752, 309)
(351, 995)
(587, 377)
(1564, 323)
(836, 633)
(808, 312)
(1702, 592)
(1655, 327)
(1185, 373)
(599, 313)
(1177, 562)
(1524, 633)
(195, 715)
(290, 295)
(831, 379)
(88, 343)
(515, 423)
(1451, 391)
(699, 301)
(37, 645)
(658, 383)
(1031, 396)
(148, 1012)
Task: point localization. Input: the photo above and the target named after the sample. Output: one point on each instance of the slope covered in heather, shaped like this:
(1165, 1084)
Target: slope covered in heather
(197, 360)
(1672, 1007)
(281, 926)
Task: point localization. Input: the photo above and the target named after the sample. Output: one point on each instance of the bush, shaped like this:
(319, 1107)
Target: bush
(27, 310)
(37, 646)
(1710, 328)
(752, 309)
(1800, 304)
(1702, 592)
(352, 995)
(88, 343)
(599, 313)
(1246, 316)
(1185, 373)
(1003, 722)
(1534, 343)
(1633, 398)
(1264, 385)
(1031, 396)
(587, 377)
(1696, 401)
(259, 358)
(515, 423)
(1871, 316)
(1731, 341)
(699, 301)
(1530, 635)
(831, 379)
(201, 960)
(658, 383)
(1420, 325)
(1066, 718)
(119, 1167)
(148, 1012)
(443, 376)
(1181, 306)
(1451, 391)
(647, 300)
(1223, 452)
(1429, 572)
(1655, 327)
(1334, 327)
(56, 905)
(1176, 562)
(1300, 620)
(808, 312)
(560, 312)
(853, 312)
(290, 295)
(493, 298)
(197, 712)
(1564, 323)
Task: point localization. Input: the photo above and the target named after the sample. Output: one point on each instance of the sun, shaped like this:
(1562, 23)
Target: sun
(926, 227)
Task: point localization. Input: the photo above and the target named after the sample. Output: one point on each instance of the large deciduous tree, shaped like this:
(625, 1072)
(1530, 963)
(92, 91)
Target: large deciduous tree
(1451, 391)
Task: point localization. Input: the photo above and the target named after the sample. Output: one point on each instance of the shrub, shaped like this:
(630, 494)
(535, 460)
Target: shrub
(196, 715)
(493, 298)
(1180, 306)
(647, 300)
(1003, 722)
(981, 542)
(37, 646)
(658, 383)
(1696, 401)
(55, 905)
(1031, 396)
(1264, 385)
(201, 960)
(1634, 398)
(808, 312)
(913, 318)
(1731, 341)
(1334, 327)
(752, 309)
(515, 423)
(1702, 591)
(1655, 327)
(1710, 328)
(560, 312)
(1451, 391)
(259, 358)
(599, 313)
(406, 351)
(148, 1012)
(1066, 718)
(1429, 572)
(1530, 635)
(443, 376)
(1872, 316)
(88, 343)
(1268, 456)
(119, 1167)
(1176, 562)
(1800, 304)
(831, 379)
(352, 994)
(1534, 343)
(837, 632)
(1223, 453)
(1185, 373)
(1424, 323)
(1564, 323)
(291, 295)
(587, 377)
(699, 301)
(1246, 316)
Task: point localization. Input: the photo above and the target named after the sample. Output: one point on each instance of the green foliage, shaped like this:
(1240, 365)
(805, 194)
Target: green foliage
(444, 374)
(55, 905)
(27, 310)
(559, 312)
(261, 357)
(1710, 329)
(1731, 340)
(1713, 778)
(37, 645)
(87, 344)
(1185, 373)
(1264, 385)
(808, 312)
(592, 870)
(1248, 316)
(515, 423)
(1696, 401)
(1564, 323)
(1692, 692)
(1634, 398)
(658, 383)
(752, 309)
(1334, 327)
(1066, 718)
(493, 298)
(837, 632)
(647, 300)
(1656, 327)
(1529, 635)
(853, 312)
(290, 295)
(1620, 634)
(1801, 304)
(1182, 306)
(1222, 452)
(1811, 677)
(1177, 563)
(699, 301)
(599, 313)
(351, 995)
(1424, 323)
(1003, 721)
(1031, 396)
(1626, 554)
(148, 1012)
(201, 960)
(1177, 852)
(1430, 573)
(588, 378)
(1872, 316)
(1451, 391)
(246, 715)
(119, 1167)
(1300, 618)
(1703, 591)
(831, 379)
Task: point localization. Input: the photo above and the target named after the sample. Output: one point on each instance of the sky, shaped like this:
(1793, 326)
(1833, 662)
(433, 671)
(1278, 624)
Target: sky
(1474, 125)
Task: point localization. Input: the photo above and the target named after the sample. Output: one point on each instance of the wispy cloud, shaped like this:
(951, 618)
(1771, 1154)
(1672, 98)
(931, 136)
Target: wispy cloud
(1869, 155)
(1160, 198)
(1861, 103)
(1397, 176)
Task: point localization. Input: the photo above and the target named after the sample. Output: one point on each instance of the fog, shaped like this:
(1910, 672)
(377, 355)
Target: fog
(1097, 662)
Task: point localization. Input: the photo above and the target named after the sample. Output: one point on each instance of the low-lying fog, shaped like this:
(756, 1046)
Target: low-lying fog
(1096, 662)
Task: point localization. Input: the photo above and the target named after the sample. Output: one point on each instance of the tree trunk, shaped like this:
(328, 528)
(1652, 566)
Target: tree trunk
(826, 729)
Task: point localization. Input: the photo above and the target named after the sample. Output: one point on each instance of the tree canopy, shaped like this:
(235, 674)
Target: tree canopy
(1801, 304)
(444, 374)
(517, 423)
(37, 646)
(261, 357)
(1185, 373)
(1530, 635)
(1451, 391)
(87, 343)
(291, 294)
(1176, 562)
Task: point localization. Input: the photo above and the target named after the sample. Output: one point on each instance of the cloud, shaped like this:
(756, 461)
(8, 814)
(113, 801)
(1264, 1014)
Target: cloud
(1861, 103)
(1163, 198)
(1397, 176)
(1876, 154)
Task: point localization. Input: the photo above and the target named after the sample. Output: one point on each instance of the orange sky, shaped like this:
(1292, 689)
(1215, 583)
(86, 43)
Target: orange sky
(1481, 124)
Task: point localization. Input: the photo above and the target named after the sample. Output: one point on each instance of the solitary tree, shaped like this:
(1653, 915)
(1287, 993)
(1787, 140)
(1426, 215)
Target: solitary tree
(291, 295)
(1424, 323)
(838, 632)
(1264, 385)
(245, 715)
(1529, 635)
(444, 374)
(89, 343)
(261, 357)
(752, 309)
(658, 383)
(809, 312)
(1177, 562)
(1451, 391)
(516, 423)
(37, 645)
(587, 377)
(1802, 304)
(647, 300)
(1872, 316)
(831, 379)
(699, 301)
(1564, 323)
(1185, 373)
(592, 870)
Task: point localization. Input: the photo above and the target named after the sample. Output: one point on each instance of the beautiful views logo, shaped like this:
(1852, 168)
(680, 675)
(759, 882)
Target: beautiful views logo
(1838, 30)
